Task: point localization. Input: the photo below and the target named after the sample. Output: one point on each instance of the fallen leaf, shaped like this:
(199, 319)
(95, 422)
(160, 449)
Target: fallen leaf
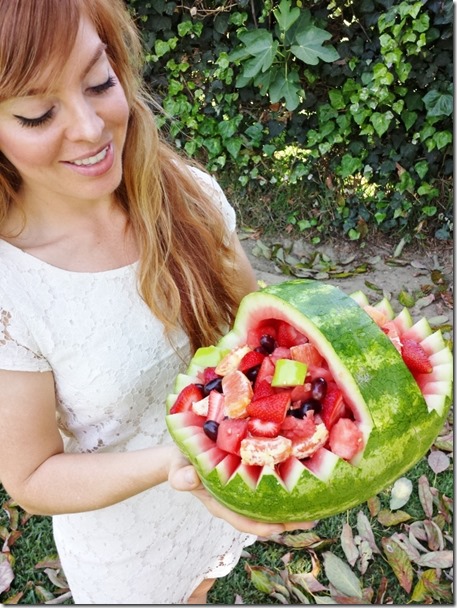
(6, 574)
(387, 518)
(374, 505)
(436, 559)
(308, 581)
(347, 543)
(406, 545)
(381, 591)
(401, 492)
(435, 538)
(399, 562)
(425, 496)
(438, 461)
(365, 531)
(366, 554)
(341, 576)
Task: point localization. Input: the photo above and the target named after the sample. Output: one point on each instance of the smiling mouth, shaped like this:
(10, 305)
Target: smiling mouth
(91, 160)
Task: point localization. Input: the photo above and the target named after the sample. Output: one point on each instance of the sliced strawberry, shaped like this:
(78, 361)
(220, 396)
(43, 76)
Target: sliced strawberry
(263, 428)
(186, 398)
(333, 405)
(273, 408)
(250, 360)
(216, 403)
(263, 389)
(415, 357)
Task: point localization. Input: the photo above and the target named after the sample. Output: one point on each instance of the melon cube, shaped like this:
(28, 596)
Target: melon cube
(289, 373)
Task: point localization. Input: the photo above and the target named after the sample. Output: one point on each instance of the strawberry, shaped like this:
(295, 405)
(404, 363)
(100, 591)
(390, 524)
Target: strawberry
(251, 359)
(263, 389)
(333, 405)
(215, 406)
(186, 397)
(272, 408)
(415, 357)
(263, 428)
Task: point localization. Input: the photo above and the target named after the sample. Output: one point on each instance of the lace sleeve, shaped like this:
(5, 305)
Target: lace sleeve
(220, 199)
(18, 349)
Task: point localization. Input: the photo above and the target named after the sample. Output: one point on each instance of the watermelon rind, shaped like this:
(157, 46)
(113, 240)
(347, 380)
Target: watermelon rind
(398, 422)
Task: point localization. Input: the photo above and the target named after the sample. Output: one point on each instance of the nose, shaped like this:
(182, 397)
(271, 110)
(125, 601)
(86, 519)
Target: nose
(84, 122)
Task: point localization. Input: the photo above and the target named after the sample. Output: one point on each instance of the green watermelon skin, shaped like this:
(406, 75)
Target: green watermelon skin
(389, 405)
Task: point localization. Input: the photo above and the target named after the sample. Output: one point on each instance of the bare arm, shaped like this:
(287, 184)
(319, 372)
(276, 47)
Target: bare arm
(41, 477)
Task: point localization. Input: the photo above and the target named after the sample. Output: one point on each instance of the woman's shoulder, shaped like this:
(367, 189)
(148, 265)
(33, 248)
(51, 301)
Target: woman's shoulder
(217, 194)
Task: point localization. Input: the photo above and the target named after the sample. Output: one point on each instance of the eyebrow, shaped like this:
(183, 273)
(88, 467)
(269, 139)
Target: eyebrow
(95, 57)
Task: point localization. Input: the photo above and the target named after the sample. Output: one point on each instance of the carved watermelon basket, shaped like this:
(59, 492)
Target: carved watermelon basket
(312, 403)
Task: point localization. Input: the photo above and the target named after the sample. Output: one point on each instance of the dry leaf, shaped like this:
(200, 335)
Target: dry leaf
(438, 461)
(6, 574)
(435, 538)
(341, 576)
(387, 518)
(401, 492)
(365, 531)
(399, 562)
(425, 496)
(406, 545)
(436, 559)
(347, 542)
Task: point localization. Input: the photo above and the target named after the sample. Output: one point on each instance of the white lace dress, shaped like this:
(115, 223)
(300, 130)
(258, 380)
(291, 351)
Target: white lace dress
(113, 370)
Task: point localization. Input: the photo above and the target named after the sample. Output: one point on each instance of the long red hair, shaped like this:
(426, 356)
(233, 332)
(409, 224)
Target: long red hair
(186, 265)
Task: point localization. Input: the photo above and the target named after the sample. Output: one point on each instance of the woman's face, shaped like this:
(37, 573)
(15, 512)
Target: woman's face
(68, 143)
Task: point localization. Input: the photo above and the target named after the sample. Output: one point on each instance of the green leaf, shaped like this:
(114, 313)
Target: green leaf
(438, 104)
(310, 46)
(381, 122)
(285, 16)
(288, 88)
(341, 575)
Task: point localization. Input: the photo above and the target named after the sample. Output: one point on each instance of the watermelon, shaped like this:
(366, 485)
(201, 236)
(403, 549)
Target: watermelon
(336, 429)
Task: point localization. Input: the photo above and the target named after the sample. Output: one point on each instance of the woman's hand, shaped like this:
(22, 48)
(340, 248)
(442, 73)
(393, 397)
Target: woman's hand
(184, 477)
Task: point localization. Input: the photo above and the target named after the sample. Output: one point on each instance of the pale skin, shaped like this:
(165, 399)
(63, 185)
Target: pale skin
(73, 222)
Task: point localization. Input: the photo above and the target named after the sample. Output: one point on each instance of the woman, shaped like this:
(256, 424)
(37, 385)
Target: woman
(118, 260)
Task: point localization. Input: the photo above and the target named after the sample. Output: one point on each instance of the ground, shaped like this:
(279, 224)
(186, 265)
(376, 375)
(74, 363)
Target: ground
(419, 277)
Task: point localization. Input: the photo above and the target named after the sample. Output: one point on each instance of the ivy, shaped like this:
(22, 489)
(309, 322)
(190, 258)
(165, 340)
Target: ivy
(346, 102)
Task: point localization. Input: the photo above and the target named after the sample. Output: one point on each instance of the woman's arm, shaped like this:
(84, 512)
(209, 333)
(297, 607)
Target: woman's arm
(43, 479)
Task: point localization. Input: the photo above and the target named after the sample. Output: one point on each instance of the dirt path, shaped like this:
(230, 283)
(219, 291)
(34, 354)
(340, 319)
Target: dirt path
(420, 279)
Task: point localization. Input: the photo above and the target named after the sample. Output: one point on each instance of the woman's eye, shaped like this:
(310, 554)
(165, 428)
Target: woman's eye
(101, 88)
(35, 122)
